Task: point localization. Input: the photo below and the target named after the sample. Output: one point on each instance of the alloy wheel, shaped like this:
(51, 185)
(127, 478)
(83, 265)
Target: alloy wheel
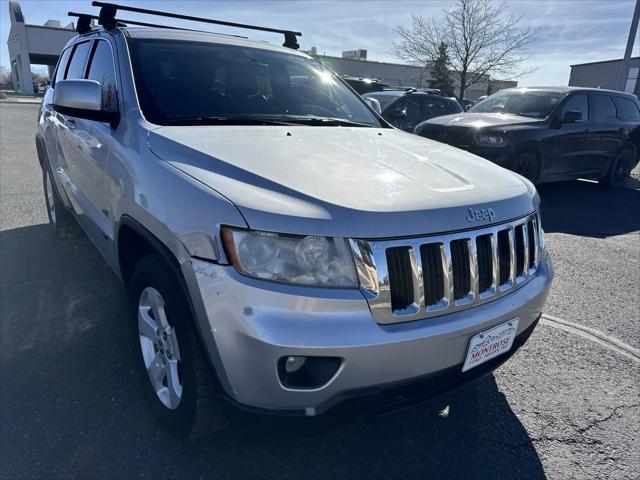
(159, 346)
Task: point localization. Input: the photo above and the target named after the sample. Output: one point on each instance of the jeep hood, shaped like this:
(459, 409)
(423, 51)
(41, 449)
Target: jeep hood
(481, 120)
(342, 181)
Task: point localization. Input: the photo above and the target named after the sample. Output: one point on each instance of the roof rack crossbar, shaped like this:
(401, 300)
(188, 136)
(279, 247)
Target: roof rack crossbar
(85, 17)
(108, 20)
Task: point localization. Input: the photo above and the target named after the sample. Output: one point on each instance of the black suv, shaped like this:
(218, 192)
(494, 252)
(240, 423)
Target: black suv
(406, 108)
(549, 134)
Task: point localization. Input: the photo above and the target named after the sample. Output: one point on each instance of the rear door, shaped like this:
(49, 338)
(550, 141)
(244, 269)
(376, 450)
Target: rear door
(608, 132)
(570, 149)
(631, 119)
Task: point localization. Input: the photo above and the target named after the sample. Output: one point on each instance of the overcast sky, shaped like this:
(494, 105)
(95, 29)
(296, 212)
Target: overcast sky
(573, 31)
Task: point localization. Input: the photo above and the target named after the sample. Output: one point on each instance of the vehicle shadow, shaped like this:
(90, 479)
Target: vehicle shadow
(585, 208)
(71, 405)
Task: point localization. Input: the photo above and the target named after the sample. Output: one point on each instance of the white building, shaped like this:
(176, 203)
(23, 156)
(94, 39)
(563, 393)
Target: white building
(33, 44)
(354, 63)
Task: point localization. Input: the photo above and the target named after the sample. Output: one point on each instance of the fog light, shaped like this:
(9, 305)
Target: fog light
(293, 364)
(307, 372)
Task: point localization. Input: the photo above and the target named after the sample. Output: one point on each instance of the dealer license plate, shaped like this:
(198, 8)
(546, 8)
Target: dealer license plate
(491, 343)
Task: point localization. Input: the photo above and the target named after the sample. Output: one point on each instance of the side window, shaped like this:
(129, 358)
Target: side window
(78, 59)
(408, 107)
(604, 110)
(431, 106)
(629, 109)
(578, 103)
(62, 66)
(102, 70)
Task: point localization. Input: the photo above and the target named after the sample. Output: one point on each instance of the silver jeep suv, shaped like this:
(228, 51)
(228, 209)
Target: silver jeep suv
(285, 250)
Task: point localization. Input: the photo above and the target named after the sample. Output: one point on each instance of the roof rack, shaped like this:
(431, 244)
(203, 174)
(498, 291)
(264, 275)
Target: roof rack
(84, 23)
(107, 19)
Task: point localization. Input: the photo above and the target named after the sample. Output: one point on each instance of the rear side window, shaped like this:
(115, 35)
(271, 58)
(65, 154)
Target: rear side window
(629, 109)
(604, 110)
(102, 70)
(62, 65)
(78, 59)
(431, 106)
(578, 103)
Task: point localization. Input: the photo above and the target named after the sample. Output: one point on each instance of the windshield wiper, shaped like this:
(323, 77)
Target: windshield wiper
(325, 121)
(204, 120)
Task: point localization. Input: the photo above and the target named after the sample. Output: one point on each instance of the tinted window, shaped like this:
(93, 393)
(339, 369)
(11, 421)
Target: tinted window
(385, 99)
(408, 107)
(577, 103)
(604, 110)
(431, 106)
(629, 109)
(78, 59)
(213, 80)
(62, 65)
(101, 69)
(525, 102)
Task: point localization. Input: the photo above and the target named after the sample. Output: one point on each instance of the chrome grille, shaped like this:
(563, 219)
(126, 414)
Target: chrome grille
(411, 279)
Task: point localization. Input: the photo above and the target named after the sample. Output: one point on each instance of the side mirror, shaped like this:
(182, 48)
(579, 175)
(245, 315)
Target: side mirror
(82, 99)
(374, 103)
(467, 107)
(572, 117)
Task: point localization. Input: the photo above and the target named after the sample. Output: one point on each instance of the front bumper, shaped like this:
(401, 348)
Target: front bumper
(256, 323)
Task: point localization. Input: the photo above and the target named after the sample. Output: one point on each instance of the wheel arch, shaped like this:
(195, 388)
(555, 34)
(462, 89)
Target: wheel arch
(40, 149)
(529, 147)
(133, 242)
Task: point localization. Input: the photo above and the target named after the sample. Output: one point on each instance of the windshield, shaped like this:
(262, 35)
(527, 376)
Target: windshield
(181, 82)
(528, 103)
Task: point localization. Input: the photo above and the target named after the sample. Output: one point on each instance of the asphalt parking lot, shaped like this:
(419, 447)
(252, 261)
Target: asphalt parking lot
(566, 406)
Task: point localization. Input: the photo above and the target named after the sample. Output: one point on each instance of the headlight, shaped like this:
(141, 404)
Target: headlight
(488, 140)
(310, 260)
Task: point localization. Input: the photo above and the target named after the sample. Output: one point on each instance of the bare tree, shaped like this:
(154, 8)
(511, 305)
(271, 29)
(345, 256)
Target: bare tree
(481, 40)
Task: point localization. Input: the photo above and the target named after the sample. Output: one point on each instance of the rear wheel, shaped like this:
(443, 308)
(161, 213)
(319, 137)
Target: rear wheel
(620, 169)
(176, 377)
(527, 165)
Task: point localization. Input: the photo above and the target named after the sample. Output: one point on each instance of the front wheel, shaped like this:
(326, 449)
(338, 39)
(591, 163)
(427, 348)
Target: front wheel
(527, 165)
(176, 377)
(58, 215)
(620, 170)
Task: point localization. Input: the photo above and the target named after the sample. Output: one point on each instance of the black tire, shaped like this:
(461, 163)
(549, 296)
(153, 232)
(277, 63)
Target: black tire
(620, 169)
(199, 411)
(527, 165)
(63, 221)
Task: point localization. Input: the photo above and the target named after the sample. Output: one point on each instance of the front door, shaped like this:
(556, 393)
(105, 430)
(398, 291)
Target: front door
(570, 149)
(86, 145)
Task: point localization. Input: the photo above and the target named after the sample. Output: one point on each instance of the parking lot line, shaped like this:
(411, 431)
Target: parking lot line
(594, 335)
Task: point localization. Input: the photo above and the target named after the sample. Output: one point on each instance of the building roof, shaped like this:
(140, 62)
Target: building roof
(332, 57)
(602, 61)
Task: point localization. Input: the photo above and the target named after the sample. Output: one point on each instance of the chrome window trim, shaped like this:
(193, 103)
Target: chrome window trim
(371, 265)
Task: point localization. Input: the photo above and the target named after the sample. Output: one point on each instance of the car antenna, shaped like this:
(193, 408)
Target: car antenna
(108, 20)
